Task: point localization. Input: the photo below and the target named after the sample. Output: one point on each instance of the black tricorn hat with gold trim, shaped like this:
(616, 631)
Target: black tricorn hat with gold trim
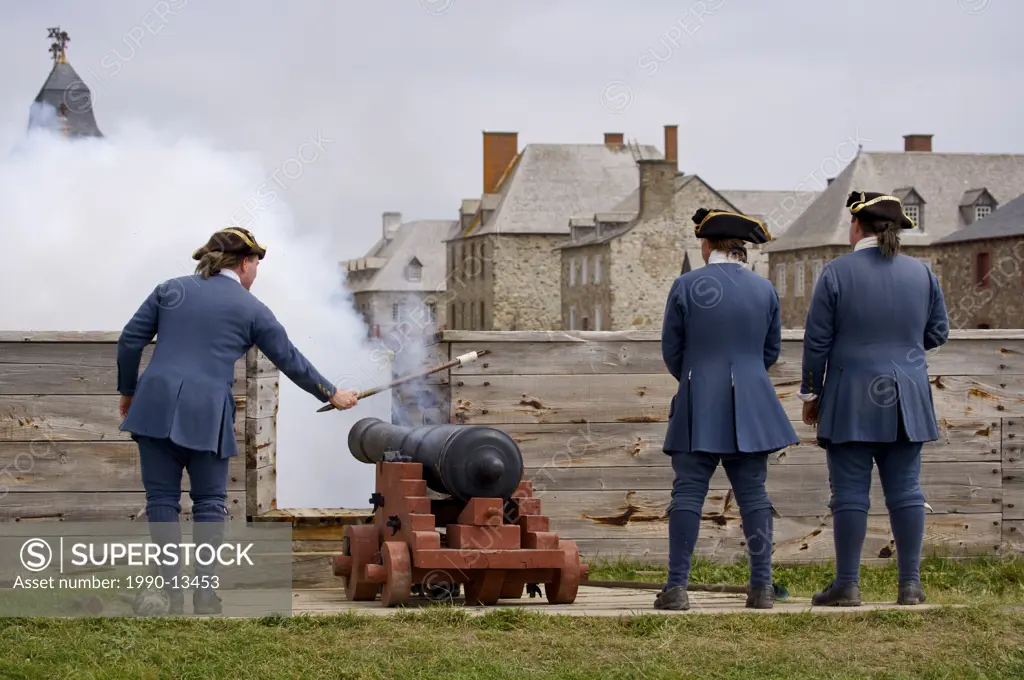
(231, 240)
(722, 224)
(878, 207)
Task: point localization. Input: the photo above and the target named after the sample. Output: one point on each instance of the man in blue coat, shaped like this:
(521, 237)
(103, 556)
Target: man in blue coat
(722, 332)
(865, 385)
(181, 411)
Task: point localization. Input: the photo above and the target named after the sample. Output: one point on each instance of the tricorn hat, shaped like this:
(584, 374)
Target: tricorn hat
(722, 224)
(231, 240)
(875, 206)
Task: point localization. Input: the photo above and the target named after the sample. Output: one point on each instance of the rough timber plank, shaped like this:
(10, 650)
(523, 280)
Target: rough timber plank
(560, 445)
(806, 539)
(261, 397)
(89, 506)
(1013, 468)
(492, 400)
(260, 490)
(61, 466)
(958, 357)
(257, 365)
(421, 404)
(60, 336)
(81, 368)
(797, 334)
(68, 418)
(260, 443)
(1013, 536)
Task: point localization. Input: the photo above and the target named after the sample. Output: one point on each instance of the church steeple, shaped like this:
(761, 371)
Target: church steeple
(66, 93)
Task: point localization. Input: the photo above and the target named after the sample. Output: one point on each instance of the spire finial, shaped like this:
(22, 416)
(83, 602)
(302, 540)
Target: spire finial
(59, 46)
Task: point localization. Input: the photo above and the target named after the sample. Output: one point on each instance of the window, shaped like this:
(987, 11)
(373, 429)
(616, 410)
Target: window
(472, 317)
(414, 271)
(984, 326)
(914, 213)
(981, 212)
(586, 324)
(597, 269)
(981, 270)
(597, 317)
(816, 268)
(394, 311)
(483, 325)
(462, 318)
(798, 279)
(572, 271)
(780, 280)
(583, 273)
(572, 318)
(433, 312)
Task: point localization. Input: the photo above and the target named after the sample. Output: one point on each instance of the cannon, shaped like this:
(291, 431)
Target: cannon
(451, 509)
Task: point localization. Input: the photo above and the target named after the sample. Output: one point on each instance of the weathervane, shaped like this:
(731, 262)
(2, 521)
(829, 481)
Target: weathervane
(59, 46)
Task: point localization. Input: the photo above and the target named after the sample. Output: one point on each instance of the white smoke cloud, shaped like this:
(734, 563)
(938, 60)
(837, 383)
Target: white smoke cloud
(90, 226)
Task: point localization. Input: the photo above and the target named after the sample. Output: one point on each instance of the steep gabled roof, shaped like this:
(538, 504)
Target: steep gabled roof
(71, 101)
(549, 183)
(1004, 222)
(939, 178)
(422, 240)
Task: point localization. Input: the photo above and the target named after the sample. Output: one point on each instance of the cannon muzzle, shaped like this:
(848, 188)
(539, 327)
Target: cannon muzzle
(463, 461)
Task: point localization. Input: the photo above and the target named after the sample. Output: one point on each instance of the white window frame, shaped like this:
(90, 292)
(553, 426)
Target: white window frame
(572, 272)
(395, 311)
(913, 211)
(597, 317)
(780, 279)
(981, 212)
(597, 269)
(583, 271)
(816, 268)
(572, 318)
(414, 271)
(799, 278)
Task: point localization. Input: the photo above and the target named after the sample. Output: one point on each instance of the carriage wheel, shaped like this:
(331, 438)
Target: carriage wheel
(484, 587)
(563, 589)
(361, 549)
(398, 565)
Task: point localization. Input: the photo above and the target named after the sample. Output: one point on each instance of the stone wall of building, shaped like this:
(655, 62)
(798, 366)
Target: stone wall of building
(982, 294)
(792, 268)
(527, 282)
(586, 295)
(404, 314)
(469, 288)
(649, 257)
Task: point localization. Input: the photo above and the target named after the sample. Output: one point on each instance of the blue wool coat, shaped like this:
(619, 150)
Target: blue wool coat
(870, 322)
(721, 333)
(203, 327)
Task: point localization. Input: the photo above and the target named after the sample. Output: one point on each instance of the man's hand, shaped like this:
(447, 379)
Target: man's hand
(811, 412)
(126, 403)
(344, 400)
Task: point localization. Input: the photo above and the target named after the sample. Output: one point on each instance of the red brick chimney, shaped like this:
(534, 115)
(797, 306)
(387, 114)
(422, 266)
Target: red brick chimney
(500, 148)
(672, 145)
(917, 142)
(613, 139)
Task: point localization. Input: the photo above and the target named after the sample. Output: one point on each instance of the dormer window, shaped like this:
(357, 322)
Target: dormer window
(913, 207)
(976, 204)
(414, 270)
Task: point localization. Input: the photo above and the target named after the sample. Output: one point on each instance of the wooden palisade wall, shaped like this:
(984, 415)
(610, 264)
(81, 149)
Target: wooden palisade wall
(590, 409)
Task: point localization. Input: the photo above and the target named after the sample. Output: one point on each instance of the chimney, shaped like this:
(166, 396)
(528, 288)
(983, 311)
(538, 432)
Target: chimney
(500, 148)
(657, 186)
(613, 139)
(672, 145)
(392, 221)
(917, 143)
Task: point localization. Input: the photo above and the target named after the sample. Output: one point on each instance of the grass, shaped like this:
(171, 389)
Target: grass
(986, 580)
(445, 642)
(980, 640)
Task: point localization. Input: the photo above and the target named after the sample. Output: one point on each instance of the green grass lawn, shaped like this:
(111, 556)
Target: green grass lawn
(982, 640)
(979, 581)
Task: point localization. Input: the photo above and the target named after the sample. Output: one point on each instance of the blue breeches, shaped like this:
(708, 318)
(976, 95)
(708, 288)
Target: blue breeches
(162, 462)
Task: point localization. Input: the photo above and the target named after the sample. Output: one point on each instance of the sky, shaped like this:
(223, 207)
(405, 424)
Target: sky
(363, 108)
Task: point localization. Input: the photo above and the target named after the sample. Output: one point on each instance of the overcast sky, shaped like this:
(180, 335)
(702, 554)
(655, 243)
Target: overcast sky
(765, 94)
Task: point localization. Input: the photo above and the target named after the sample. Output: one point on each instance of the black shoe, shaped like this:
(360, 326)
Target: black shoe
(910, 593)
(206, 601)
(845, 595)
(176, 596)
(761, 597)
(674, 598)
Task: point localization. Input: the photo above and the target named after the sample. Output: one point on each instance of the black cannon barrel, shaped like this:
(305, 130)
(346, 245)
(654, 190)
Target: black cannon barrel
(464, 461)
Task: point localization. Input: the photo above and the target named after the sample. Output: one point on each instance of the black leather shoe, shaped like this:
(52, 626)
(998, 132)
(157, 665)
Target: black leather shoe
(674, 598)
(761, 597)
(206, 601)
(910, 593)
(845, 595)
(176, 596)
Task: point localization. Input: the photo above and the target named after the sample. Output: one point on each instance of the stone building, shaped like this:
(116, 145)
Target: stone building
(941, 192)
(399, 285)
(983, 270)
(503, 265)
